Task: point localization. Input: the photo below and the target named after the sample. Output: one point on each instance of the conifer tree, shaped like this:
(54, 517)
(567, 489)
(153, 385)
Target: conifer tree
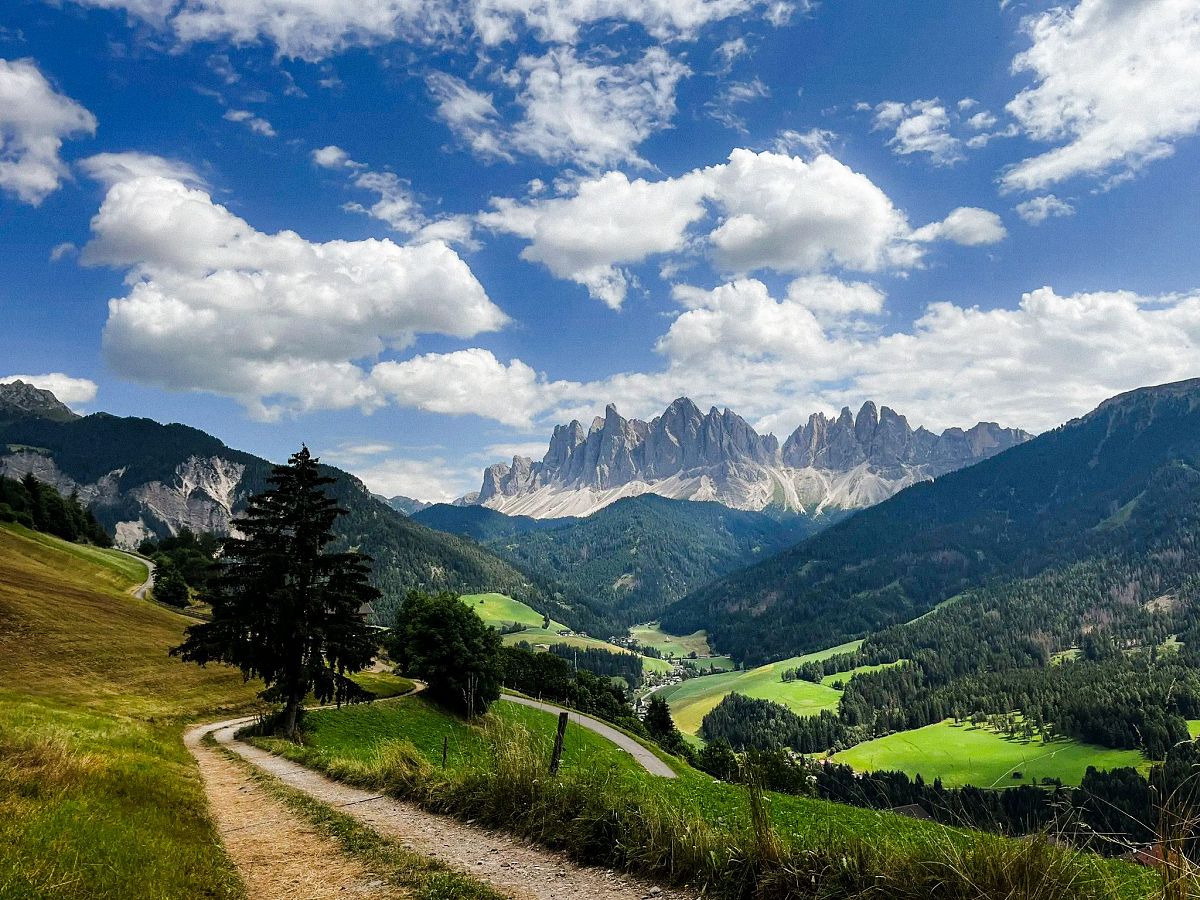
(284, 609)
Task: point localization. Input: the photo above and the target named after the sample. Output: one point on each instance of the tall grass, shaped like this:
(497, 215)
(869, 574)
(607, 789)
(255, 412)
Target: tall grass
(598, 817)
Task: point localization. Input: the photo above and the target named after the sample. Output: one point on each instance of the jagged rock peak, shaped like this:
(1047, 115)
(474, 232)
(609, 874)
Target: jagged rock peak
(18, 399)
(711, 451)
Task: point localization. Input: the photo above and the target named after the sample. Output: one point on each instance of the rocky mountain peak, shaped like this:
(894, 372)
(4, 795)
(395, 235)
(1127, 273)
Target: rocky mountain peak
(719, 455)
(20, 400)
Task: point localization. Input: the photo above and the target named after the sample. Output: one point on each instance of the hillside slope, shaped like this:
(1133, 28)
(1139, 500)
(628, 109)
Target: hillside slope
(626, 562)
(1107, 481)
(98, 797)
(141, 478)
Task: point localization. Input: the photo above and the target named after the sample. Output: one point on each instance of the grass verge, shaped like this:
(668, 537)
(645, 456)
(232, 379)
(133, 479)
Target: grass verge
(691, 830)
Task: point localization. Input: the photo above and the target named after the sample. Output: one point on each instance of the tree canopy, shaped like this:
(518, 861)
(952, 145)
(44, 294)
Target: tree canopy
(284, 609)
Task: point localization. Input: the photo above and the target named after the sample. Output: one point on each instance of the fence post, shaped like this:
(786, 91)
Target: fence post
(558, 743)
(445, 748)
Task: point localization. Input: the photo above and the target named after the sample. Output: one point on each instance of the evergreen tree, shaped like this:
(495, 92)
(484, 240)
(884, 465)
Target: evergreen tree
(284, 609)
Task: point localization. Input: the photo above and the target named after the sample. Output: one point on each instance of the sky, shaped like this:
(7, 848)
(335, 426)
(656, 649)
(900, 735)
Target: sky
(417, 234)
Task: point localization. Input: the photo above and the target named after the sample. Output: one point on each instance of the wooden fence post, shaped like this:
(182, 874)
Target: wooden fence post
(556, 758)
(445, 748)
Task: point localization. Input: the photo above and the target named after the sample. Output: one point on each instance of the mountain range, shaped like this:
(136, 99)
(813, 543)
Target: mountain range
(1118, 482)
(144, 479)
(847, 462)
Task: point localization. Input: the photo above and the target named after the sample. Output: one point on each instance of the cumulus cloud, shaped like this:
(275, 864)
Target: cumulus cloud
(276, 321)
(1038, 209)
(467, 381)
(112, 168)
(1046, 359)
(257, 124)
(1116, 84)
(585, 111)
(429, 478)
(774, 211)
(967, 225)
(69, 390)
(34, 121)
(921, 126)
(608, 222)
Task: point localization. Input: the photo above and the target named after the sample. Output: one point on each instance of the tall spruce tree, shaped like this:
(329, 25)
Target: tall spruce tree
(284, 609)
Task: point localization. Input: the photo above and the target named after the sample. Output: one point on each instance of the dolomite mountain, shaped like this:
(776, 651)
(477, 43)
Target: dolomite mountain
(827, 464)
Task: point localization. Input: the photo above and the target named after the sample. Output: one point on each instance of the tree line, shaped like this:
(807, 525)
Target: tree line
(40, 506)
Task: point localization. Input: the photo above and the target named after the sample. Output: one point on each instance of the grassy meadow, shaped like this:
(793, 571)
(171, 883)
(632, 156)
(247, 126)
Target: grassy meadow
(965, 754)
(692, 700)
(652, 635)
(604, 809)
(97, 793)
(499, 610)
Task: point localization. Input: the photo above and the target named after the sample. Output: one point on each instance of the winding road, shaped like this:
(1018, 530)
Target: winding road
(513, 867)
(648, 760)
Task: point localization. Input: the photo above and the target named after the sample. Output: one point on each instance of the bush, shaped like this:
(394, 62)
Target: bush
(441, 640)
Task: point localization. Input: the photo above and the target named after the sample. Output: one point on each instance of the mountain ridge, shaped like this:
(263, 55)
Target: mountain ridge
(844, 462)
(1072, 493)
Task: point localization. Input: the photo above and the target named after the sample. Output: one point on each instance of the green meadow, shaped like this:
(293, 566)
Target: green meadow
(966, 754)
(692, 700)
(98, 796)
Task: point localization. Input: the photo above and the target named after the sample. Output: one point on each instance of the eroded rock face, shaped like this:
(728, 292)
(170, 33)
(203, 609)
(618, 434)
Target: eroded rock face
(201, 495)
(846, 462)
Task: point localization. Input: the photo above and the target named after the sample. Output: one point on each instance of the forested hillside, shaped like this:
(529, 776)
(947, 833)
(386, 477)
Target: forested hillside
(133, 469)
(1115, 484)
(626, 562)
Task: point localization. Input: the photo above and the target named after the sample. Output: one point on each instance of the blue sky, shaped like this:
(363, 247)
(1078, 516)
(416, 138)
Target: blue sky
(417, 233)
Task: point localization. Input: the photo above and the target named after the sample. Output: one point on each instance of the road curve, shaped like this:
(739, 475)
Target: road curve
(646, 758)
(515, 868)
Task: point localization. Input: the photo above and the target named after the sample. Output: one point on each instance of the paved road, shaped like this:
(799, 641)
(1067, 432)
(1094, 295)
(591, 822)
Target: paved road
(648, 760)
(148, 585)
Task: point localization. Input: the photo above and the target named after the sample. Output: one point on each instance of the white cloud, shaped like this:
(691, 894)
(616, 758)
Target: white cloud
(1039, 209)
(113, 168)
(609, 222)
(1035, 365)
(834, 301)
(730, 51)
(257, 124)
(470, 114)
(774, 212)
(332, 157)
(430, 478)
(278, 322)
(467, 382)
(591, 113)
(1116, 83)
(34, 121)
(813, 142)
(982, 121)
(397, 205)
(62, 251)
(559, 21)
(69, 390)
(586, 111)
(314, 30)
(967, 225)
(921, 126)
(723, 106)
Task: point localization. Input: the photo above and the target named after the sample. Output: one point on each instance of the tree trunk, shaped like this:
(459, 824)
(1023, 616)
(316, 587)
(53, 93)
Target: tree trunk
(289, 717)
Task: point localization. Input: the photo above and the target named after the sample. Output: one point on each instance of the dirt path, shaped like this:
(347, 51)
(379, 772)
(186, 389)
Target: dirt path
(512, 867)
(272, 847)
(648, 760)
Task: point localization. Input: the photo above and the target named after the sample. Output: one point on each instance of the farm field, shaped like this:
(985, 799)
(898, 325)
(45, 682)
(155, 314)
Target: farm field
(692, 700)
(668, 644)
(499, 610)
(965, 754)
(91, 718)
